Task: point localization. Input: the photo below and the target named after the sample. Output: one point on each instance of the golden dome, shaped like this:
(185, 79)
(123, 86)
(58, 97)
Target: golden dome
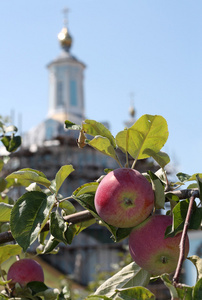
(65, 39)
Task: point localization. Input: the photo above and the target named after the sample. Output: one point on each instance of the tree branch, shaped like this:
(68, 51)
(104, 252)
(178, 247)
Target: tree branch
(183, 238)
(85, 215)
(76, 218)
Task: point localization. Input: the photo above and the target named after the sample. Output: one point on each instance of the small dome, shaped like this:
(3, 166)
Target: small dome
(65, 39)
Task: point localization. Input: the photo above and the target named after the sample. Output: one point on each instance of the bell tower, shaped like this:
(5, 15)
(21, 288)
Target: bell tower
(66, 75)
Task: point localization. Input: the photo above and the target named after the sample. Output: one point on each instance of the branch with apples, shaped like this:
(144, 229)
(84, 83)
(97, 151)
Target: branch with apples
(152, 212)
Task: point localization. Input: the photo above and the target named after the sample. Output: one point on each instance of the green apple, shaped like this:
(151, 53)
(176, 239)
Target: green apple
(23, 271)
(151, 250)
(124, 198)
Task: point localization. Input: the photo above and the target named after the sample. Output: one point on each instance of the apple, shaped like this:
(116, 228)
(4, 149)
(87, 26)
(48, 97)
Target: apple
(151, 250)
(124, 198)
(24, 271)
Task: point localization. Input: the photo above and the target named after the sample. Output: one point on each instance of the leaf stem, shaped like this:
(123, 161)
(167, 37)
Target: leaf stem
(134, 163)
(183, 239)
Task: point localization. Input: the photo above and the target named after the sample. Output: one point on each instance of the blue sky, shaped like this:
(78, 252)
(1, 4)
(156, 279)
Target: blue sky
(152, 49)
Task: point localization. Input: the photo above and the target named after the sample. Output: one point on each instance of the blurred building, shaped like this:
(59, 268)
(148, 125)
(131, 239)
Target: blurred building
(48, 146)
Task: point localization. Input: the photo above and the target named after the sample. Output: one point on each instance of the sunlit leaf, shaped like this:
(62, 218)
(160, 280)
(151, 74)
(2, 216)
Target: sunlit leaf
(160, 157)
(51, 245)
(10, 128)
(137, 293)
(148, 133)
(30, 175)
(89, 187)
(67, 206)
(197, 261)
(5, 211)
(62, 174)
(103, 145)
(29, 215)
(95, 128)
(172, 289)
(130, 276)
(7, 251)
(96, 297)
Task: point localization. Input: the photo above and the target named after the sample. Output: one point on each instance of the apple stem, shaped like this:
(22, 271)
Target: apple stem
(183, 239)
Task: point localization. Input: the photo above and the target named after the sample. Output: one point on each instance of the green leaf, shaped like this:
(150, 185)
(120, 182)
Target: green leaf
(130, 276)
(161, 158)
(61, 175)
(137, 293)
(122, 233)
(51, 245)
(95, 128)
(97, 297)
(9, 250)
(29, 215)
(103, 145)
(185, 177)
(87, 201)
(30, 175)
(199, 183)
(10, 128)
(158, 188)
(146, 134)
(185, 292)
(197, 261)
(83, 225)
(3, 184)
(86, 188)
(197, 291)
(70, 233)
(67, 206)
(5, 211)
(72, 126)
(172, 289)
(58, 226)
(37, 287)
(1, 164)
(179, 215)
(11, 143)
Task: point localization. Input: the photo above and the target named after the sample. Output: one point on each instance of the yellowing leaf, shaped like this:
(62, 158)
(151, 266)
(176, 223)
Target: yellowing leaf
(103, 145)
(148, 133)
(95, 128)
(9, 250)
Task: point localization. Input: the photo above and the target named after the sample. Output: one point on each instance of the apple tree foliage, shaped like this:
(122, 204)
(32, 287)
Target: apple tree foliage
(42, 214)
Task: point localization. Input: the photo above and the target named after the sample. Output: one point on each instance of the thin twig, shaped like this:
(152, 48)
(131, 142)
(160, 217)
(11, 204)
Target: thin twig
(183, 239)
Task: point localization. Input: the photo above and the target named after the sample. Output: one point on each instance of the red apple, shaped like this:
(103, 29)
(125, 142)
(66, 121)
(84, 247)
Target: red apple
(124, 198)
(151, 250)
(24, 271)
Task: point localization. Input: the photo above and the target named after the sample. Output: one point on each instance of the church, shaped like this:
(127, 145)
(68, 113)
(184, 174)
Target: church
(49, 146)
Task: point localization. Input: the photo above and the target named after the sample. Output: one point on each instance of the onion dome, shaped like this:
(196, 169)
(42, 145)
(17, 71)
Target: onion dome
(65, 39)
